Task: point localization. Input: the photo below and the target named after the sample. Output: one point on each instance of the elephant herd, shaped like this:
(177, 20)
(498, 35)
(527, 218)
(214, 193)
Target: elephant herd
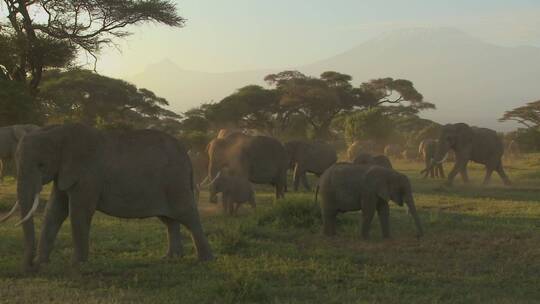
(147, 173)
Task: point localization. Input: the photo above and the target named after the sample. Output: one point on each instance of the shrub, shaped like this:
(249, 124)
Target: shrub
(294, 212)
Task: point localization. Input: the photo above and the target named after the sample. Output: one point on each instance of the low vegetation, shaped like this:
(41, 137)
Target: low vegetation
(481, 245)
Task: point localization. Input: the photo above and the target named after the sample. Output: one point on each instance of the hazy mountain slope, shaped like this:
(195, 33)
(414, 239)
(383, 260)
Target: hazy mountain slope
(186, 89)
(469, 80)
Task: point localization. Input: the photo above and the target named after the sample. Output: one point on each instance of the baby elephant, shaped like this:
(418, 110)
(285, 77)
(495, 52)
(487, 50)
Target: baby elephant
(348, 187)
(235, 191)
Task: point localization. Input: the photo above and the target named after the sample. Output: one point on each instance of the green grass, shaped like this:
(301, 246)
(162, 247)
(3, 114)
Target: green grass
(482, 245)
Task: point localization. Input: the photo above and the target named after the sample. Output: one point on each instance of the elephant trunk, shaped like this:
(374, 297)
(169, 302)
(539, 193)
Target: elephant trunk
(28, 189)
(412, 210)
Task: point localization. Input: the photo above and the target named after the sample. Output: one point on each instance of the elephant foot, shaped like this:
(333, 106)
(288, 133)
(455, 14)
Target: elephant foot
(42, 260)
(207, 257)
(30, 268)
(173, 256)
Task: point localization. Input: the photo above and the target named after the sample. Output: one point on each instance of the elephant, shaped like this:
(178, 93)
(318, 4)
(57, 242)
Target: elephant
(305, 156)
(9, 138)
(393, 150)
(368, 159)
(260, 159)
(358, 147)
(348, 187)
(479, 145)
(236, 191)
(427, 149)
(127, 174)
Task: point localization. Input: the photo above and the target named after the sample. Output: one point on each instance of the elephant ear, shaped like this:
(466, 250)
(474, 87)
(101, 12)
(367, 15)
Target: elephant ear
(383, 189)
(19, 131)
(78, 151)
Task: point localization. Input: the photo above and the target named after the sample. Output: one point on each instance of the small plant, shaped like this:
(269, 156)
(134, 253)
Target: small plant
(293, 212)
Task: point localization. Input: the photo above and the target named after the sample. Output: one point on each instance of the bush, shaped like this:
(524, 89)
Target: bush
(293, 212)
(528, 139)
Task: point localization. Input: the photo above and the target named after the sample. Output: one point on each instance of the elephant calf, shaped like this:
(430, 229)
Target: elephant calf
(348, 187)
(235, 189)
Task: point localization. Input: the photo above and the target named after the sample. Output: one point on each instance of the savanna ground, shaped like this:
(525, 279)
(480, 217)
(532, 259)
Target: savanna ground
(481, 245)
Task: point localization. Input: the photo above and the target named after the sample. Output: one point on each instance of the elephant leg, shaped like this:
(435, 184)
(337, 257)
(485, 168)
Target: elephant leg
(55, 215)
(329, 222)
(367, 216)
(305, 182)
(236, 207)
(81, 210)
(191, 221)
(297, 176)
(280, 185)
(487, 178)
(502, 174)
(441, 171)
(464, 174)
(224, 202)
(455, 170)
(174, 238)
(383, 212)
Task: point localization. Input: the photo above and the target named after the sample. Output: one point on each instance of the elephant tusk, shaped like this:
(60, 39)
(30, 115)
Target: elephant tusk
(444, 159)
(32, 211)
(203, 183)
(213, 180)
(10, 213)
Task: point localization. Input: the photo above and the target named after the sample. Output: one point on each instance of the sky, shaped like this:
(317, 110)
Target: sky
(222, 36)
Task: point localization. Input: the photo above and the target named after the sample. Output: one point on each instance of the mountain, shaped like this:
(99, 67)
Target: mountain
(468, 79)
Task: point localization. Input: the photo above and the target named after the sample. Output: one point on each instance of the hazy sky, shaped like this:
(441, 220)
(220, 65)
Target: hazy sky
(250, 34)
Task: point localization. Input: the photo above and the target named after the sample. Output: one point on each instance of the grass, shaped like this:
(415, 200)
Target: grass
(482, 245)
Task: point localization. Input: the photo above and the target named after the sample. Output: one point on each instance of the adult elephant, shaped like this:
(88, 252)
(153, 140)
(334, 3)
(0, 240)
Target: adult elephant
(9, 138)
(127, 174)
(309, 156)
(479, 145)
(260, 159)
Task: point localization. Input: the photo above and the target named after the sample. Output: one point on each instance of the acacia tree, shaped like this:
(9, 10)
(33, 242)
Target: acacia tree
(96, 100)
(321, 100)
(37, 29)
(527, 115)
(251, 107)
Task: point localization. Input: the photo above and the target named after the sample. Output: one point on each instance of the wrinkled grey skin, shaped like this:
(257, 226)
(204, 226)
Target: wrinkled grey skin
(260, 159)
(348, 187)
(305, 156)
(393, 150)
(235, 191)
(368, 159)
(127, 174)
(479, 145)
(9, 138)
(427, 149)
